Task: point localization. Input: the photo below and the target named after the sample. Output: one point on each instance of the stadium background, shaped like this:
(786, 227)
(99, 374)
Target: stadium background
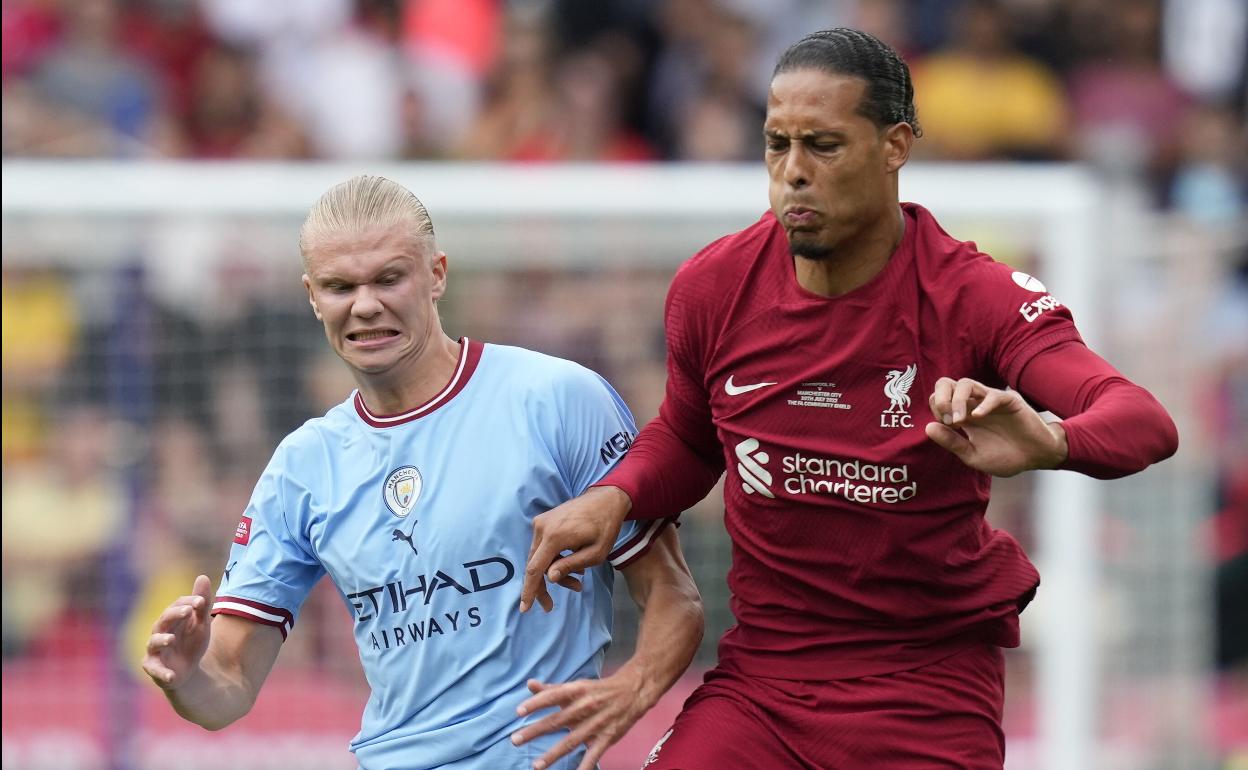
(154, 353)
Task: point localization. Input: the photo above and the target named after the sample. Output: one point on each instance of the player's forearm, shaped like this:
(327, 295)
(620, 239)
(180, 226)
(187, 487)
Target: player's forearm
(213, 697)
(672, 625)
(1112, 426)
(662, 474)
(1123, 433)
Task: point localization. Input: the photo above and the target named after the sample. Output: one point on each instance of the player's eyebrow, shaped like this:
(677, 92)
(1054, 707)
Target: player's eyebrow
(804, 136)
(395, 263)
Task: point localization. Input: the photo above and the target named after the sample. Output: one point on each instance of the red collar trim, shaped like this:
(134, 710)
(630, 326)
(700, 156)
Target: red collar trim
(469, 357)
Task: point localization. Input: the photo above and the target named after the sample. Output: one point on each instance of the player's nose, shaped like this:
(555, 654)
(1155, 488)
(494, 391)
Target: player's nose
(365, 303)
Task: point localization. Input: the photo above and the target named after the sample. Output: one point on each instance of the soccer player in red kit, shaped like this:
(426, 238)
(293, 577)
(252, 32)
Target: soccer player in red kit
(872, 598)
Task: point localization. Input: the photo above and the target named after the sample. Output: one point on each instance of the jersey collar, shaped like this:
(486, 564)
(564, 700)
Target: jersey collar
(469, 357)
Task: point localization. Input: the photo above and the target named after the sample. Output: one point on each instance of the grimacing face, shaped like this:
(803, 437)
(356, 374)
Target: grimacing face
(832, 171)
(375, 291)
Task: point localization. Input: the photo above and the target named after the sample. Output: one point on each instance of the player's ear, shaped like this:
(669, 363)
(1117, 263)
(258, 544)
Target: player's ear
(898, 139)
(439, 275)
(307, 284)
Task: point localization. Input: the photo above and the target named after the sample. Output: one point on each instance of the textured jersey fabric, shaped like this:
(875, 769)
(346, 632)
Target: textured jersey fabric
(423, 521)
(859, 546)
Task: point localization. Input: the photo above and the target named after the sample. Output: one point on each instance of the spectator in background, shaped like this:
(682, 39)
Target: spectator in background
(980, 98)
(40, 332)
(1210, 184)
(586, 123)
(62, 510)
(88, 95)
(703, 80)
(518, 100)
(1127, 111)
(230, 116)
(451, 47)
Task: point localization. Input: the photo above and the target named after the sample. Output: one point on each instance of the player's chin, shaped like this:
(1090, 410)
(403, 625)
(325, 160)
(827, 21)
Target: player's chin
(808, 245)
(368, 362)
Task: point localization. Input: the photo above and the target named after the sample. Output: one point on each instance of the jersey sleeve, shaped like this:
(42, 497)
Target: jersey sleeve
(597, 430)
(677, 458)
(1113, 426)
(1019, 319)
(271, 568)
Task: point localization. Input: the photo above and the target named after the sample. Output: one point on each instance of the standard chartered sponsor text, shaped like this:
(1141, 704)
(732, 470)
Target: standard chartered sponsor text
(853, 480)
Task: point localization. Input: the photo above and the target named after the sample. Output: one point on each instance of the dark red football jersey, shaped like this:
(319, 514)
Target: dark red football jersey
(859, 546)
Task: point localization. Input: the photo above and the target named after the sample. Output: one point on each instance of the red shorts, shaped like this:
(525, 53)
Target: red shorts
(944, 715)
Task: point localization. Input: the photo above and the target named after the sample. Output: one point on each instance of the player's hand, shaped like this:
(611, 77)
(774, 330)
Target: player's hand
(597, 711)
(587, 526)
(991, 430)
(180, 637)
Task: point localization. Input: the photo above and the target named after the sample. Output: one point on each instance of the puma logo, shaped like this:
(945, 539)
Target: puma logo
(228, 570)
(398, 535)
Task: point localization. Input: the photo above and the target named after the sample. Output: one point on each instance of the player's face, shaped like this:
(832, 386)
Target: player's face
(833, 171)
(375, 291)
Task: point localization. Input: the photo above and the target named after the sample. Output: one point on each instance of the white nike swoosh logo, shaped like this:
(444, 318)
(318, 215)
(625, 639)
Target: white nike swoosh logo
(736, 390)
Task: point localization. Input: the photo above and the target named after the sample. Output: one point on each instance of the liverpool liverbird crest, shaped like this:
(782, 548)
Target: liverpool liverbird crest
(897, 388)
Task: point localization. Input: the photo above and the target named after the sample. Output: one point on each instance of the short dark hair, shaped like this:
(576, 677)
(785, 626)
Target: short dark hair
(843, 51)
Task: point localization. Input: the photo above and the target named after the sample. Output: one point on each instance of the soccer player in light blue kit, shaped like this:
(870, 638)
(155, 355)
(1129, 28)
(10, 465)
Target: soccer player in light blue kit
(416, 497)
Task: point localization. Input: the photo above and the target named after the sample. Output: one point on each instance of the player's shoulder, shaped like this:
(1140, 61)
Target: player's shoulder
(959, 266)
(530, 370)
(333, 429)
(733, 254)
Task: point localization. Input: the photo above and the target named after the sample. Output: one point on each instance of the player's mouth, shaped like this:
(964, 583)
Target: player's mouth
(372, 338)
(799, 217)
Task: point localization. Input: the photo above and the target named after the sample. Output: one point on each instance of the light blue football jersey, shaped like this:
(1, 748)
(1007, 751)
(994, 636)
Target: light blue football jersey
(423, 520)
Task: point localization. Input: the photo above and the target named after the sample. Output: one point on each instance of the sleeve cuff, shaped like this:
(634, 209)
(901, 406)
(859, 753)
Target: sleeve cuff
(258, 612)
(637, 545)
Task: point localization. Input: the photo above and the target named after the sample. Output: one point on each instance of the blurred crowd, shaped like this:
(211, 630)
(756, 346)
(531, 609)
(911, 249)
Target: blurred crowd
(111, 506)
(1153, 89)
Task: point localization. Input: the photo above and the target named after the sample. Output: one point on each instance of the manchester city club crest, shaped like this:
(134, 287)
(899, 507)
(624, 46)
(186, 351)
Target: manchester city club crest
(402, 489)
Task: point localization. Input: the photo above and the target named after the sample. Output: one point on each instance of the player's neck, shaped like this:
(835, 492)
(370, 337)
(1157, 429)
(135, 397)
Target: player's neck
(854, 263)
(413, 382)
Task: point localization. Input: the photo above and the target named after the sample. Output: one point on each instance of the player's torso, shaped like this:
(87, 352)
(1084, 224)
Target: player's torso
(429, 531)
(822, 405)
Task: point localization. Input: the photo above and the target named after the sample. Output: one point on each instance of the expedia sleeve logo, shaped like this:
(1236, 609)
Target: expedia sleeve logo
(1030, 311)
(402, 490)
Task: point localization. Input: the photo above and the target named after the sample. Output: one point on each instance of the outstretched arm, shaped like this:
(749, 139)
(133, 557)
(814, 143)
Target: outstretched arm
(210, 669)
(600, 711)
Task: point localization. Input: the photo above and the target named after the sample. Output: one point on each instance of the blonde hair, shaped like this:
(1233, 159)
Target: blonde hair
(360, 203)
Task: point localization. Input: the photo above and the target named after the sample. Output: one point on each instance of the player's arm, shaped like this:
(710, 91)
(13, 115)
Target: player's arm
(674, 462)
(600, 711)
(662, 474)
(210, 669)
(1110, 428)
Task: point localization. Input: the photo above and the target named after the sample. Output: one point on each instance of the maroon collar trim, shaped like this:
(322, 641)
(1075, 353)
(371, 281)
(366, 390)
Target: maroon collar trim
(469, 357)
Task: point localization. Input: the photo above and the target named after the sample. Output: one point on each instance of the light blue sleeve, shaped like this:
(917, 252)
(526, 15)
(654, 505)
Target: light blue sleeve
(271, 567)
(596, 431)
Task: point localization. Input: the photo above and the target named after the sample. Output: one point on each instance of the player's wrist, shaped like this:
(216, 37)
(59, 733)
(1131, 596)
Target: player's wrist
(1060, 448)
(614, 501)
(640, 679)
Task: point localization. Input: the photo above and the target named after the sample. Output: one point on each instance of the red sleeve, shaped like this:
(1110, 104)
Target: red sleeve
(1113, 426)
(676, 458)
